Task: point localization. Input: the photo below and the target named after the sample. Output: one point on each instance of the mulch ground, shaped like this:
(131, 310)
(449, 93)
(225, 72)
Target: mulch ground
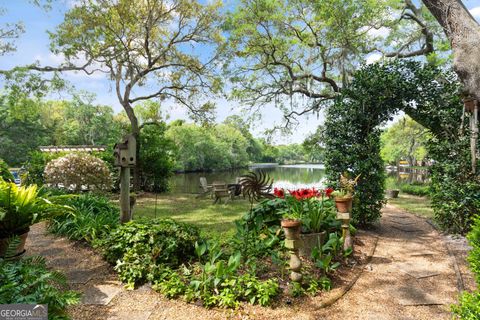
(401, 269)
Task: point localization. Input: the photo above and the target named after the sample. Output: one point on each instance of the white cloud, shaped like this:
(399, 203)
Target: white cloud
(372, 58)
(380, 32)
(475, 12)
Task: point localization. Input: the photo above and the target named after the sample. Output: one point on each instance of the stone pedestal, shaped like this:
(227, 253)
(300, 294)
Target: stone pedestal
(345, 218)
(293, 243)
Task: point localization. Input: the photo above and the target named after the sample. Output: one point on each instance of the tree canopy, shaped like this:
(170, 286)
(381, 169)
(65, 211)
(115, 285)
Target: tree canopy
(298, 54)
(404, 140)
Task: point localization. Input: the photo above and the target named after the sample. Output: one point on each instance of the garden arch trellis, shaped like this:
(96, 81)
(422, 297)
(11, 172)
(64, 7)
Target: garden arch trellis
(352, 128)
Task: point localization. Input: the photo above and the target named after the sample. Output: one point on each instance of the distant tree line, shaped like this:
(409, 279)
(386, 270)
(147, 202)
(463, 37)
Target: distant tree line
(178, 146)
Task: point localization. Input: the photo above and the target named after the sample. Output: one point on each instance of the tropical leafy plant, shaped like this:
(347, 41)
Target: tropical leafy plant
(324, 256)
(217, 283)
(20, 207)
(321, 216)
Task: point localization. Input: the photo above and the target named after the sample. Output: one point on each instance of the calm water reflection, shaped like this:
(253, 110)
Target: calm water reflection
(410, 175)
(288, 176)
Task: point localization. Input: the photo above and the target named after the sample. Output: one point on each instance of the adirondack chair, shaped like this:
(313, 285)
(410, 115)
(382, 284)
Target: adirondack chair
(205, 188)
(220, 190)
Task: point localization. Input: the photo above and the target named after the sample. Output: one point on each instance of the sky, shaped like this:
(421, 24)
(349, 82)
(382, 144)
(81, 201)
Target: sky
(33, 45)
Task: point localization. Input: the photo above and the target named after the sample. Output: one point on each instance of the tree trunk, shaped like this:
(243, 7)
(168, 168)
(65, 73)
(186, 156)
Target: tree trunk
(463, 31)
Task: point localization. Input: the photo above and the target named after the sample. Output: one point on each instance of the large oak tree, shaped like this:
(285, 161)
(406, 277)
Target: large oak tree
(463, 31)
(299, 54)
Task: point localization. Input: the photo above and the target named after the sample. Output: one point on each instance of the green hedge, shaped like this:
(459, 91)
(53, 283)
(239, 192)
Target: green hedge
(420, 190)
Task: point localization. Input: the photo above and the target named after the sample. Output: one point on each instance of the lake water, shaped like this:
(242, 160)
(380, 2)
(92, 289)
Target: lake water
(284, 176)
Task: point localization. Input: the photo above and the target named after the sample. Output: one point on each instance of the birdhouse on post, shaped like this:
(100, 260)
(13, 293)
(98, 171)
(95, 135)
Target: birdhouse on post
(125, 153)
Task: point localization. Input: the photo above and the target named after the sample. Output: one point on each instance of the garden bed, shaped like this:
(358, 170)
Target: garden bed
(62, 254)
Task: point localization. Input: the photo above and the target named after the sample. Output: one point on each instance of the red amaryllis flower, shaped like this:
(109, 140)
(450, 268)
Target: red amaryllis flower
(301, 194)
(296, 194)
(279, 193)
(306, 193)
(328, 192)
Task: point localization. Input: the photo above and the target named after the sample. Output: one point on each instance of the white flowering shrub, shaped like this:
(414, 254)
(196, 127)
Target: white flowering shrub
(78, 171)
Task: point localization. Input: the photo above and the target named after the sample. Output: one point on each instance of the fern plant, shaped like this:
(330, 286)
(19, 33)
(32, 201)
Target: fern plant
(20, 207)
(30, 281)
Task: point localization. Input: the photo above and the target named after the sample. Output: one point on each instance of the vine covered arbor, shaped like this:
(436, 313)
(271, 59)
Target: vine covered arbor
(431, 97)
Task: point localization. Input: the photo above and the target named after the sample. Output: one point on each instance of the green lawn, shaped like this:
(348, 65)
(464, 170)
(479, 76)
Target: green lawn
(416, 205)
(210, 218)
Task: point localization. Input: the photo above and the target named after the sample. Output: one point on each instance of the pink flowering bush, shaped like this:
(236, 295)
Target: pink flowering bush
(78, 171)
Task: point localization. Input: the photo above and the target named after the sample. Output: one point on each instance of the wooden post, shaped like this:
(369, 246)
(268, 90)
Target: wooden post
(125, 158)
(125, 215)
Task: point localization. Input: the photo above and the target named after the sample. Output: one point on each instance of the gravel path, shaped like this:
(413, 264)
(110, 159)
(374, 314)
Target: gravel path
(410, 276)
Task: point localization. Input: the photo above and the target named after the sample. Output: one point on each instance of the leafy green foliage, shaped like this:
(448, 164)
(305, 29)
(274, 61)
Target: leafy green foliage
(352, 146)
(404, 140)
(474, 254)
(421, 190)
(468, 307)
(455, 191)
(430, 97)
(5, 173)
(156, 157)
(81, 122)
(21, 117)
(313, 146)
(320, 215)
(20, 207)
(75, 122)
(91, 219)
(324, 257)
(258, 230)
(217, 147)
(137, 247)
(29, 281)
(35, 166)
(217, 282)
